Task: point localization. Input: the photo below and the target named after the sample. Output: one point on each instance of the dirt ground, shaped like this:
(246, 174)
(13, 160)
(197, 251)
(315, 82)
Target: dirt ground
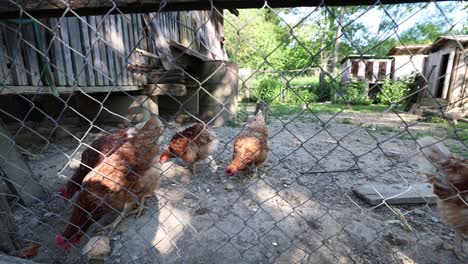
(285, 215)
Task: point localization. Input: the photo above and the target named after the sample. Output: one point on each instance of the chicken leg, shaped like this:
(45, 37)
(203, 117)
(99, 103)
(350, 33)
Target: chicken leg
(140, 209)
(194, 169)
(116, 222)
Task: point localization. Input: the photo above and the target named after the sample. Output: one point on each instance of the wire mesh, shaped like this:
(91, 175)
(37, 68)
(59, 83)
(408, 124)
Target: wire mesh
(86, 84)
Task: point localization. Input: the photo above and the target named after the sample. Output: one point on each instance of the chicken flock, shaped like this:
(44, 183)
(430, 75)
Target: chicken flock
(118, 171)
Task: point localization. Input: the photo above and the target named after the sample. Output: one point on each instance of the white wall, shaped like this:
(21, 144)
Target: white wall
(406, 65)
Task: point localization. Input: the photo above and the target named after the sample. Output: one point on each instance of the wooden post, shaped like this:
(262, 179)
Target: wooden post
(17, 174)
(262, 106)
(7, 225)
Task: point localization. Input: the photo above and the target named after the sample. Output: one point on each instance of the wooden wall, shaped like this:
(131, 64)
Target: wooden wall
(90, 51)
(93, 52)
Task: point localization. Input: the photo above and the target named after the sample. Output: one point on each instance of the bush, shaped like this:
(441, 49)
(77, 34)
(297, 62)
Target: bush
(392, 92)
(268, 90)
(325, 89)
(354, 93)
(300, 96)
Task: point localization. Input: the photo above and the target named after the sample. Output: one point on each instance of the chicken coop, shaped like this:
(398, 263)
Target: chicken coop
(368, 68)
(445, 71)
(123, 140)
(38, 60)
(407, 60)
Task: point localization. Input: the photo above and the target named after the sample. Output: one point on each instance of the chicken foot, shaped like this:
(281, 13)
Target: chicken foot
(212, 164)
(193, 169)
(458, 247)
(140, 209)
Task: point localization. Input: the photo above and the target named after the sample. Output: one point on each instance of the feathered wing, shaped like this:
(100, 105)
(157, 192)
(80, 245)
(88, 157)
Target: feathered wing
(118, 180)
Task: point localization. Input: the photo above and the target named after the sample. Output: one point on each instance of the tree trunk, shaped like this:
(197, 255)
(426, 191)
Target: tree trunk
(337, 40)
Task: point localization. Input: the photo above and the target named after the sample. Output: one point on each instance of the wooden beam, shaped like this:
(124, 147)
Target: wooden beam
(165, 89)
(66, 89)
(7, 226)
(17, 174)
(56, 8)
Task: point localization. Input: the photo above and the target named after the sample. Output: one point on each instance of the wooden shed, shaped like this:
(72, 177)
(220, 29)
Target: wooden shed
(446, 72)
(146, 55)
(369, 68)
(407, 60)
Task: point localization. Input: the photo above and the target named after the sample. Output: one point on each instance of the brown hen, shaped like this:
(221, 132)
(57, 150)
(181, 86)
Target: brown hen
(94, 155)
(117, 184)
(250, 147)
(451, 187)
(192, 144)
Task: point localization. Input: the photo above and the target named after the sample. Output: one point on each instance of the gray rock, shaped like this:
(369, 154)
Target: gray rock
(229, 187)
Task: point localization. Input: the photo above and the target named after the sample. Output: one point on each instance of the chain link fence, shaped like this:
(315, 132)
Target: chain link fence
(344, 181)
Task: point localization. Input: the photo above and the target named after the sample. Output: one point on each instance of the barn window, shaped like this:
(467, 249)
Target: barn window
(369, 70)
(382, 69)
(354, 68)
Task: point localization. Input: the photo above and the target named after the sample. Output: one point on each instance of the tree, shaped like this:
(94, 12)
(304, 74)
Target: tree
(255, 39)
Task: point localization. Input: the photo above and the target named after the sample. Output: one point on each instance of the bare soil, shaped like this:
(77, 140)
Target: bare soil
(293, 212)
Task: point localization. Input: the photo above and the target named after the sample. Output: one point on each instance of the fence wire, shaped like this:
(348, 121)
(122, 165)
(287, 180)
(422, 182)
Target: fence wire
(86, 84)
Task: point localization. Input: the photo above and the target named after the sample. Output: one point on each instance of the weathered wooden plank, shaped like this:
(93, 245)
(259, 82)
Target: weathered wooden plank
(131, 47)
(17, 172)
(183, 49)
(114, 50)
(165, 89)
(122, 70)
(13, 43)
(87, 52)
(162, 46)
(77, 51)
(31, 60)
(109, 50)
(55, 8)
(372, 193)
(103, 60)
(141, 43)
(5, 75)
(67, 89)
(94, 43)
(126, 50)
(67, 56)
(58, 65)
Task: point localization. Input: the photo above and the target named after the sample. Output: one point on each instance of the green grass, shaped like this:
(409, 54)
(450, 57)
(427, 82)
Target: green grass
(287, 109)
(281, 109)
(460, 151)
(304, 81)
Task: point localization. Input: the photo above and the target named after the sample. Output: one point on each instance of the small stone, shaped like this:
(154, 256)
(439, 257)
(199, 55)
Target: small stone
(48, 214)
(285, 185)
(18, 217)
(97, 247)
(207, 190)
(115, 238)
(274, 244)
(74, 164)
(392, 154)
(418, 212)
(292, 214)
(134, 258)
(229, 187)
(202, 211)
(434, 219)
